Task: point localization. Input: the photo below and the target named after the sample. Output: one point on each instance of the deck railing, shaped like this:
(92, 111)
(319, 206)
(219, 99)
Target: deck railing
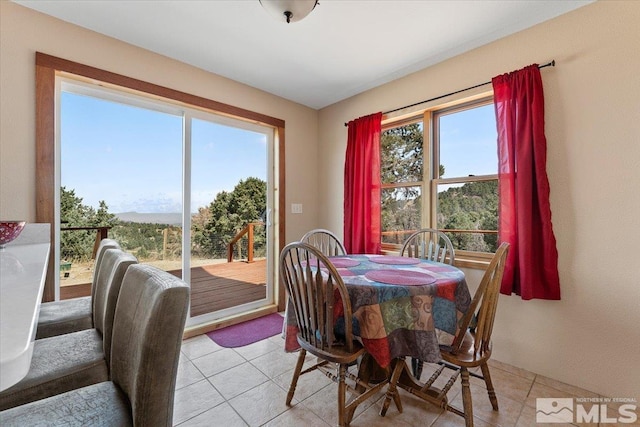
(101, 233)
(248, 230)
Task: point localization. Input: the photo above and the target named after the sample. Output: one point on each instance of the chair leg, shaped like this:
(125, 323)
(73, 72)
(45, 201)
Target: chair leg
(296, 375)
(342, 398)
(466, 397)
(392, 391)
(487, 379)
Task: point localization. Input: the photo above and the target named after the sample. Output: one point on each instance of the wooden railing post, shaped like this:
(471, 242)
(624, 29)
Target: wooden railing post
(250, 244)
(101, 233)
(230, 253)
(246, 230)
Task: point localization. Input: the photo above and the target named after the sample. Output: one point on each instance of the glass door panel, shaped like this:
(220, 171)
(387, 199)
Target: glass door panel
(120, 177)
(228, 269)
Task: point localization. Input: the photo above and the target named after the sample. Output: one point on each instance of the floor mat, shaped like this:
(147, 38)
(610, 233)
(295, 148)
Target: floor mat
(248, 332)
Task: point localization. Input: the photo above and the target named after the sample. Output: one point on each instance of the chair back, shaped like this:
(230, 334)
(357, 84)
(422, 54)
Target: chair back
(104, 245)
(326, 241)
(107, 286)
(483, 306)
(318, 296)
(429, 243)
(147, 335)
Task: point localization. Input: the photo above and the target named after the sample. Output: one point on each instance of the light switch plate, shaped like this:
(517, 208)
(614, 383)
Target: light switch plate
(296, 208)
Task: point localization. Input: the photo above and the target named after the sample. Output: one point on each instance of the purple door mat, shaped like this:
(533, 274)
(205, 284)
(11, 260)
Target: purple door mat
(248, 332)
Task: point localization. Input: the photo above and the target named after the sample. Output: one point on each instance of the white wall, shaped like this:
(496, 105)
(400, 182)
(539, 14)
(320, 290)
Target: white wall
(24, 31)
(591, 338)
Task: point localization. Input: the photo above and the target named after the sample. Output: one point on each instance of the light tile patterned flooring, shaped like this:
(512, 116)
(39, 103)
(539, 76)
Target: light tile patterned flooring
(247, 386)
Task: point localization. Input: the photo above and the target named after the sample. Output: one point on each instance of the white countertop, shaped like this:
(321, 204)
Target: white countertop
(23, 269)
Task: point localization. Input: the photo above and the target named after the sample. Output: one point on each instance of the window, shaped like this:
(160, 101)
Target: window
(444, 178)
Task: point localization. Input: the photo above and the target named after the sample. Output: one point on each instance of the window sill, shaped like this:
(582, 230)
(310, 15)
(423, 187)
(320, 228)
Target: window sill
(477, 264)
(461, 260)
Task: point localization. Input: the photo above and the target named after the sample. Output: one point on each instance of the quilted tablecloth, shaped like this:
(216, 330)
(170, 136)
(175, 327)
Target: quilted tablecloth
(401, 306)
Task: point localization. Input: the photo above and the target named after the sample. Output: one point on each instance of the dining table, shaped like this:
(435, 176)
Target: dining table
(23, 270)
(401, 306)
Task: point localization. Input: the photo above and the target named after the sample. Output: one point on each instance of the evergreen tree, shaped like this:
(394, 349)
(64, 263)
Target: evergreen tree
(228, 214)
(78, 245)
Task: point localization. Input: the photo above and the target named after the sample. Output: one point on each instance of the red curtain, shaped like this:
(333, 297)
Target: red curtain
(524, 217)
(362, 186)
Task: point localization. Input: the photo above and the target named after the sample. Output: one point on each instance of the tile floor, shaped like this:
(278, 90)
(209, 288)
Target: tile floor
(247, 386)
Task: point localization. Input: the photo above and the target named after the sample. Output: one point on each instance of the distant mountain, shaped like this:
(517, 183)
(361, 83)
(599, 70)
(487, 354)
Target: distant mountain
(151, 218)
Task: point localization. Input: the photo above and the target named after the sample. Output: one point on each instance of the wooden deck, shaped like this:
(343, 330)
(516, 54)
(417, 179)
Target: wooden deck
(219, 286)
(213, 287)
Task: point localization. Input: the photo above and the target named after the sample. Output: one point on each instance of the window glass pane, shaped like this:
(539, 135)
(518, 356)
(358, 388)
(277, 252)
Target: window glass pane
(227, 194)
(401, 154)
(401, 213)
(468, 208)
(468, 142)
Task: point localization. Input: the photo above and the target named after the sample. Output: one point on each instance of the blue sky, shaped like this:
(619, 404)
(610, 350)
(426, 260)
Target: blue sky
(131, 157)
(468, 142)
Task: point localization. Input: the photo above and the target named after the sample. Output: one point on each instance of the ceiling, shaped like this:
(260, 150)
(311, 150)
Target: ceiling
(342, 48)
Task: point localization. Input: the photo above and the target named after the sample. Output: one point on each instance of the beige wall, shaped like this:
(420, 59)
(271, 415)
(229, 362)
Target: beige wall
(591, 338)
(23, 32)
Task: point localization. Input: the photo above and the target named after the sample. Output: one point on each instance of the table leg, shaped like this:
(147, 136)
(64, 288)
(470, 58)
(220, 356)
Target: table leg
(392, 392)
(370, 372)
(430, 394)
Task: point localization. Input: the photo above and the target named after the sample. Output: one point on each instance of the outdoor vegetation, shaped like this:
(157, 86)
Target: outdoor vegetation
(471, 206)
(213, 227)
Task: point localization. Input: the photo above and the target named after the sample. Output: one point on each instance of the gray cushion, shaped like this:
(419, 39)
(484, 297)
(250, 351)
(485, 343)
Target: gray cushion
(64, 317)
(101, 404)
(59, 364)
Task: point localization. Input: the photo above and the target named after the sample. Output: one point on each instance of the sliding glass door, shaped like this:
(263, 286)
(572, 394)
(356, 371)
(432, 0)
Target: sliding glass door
(183, 189)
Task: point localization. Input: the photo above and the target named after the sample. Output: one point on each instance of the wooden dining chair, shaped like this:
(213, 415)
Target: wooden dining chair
(434, 245)
(471, 346)
(316, 292)
(148, 326)
(76, 314)
(429, 243)
(326, 241)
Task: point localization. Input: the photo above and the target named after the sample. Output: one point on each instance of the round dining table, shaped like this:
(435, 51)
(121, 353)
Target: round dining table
(401, 306)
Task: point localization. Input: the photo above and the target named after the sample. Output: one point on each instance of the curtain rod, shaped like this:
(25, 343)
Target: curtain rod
(549, 64)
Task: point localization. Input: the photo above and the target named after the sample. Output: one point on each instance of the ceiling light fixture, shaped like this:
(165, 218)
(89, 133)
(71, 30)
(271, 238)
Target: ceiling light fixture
(289, 10)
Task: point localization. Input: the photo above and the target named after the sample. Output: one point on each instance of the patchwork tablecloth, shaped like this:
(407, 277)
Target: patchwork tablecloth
(401, 306)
